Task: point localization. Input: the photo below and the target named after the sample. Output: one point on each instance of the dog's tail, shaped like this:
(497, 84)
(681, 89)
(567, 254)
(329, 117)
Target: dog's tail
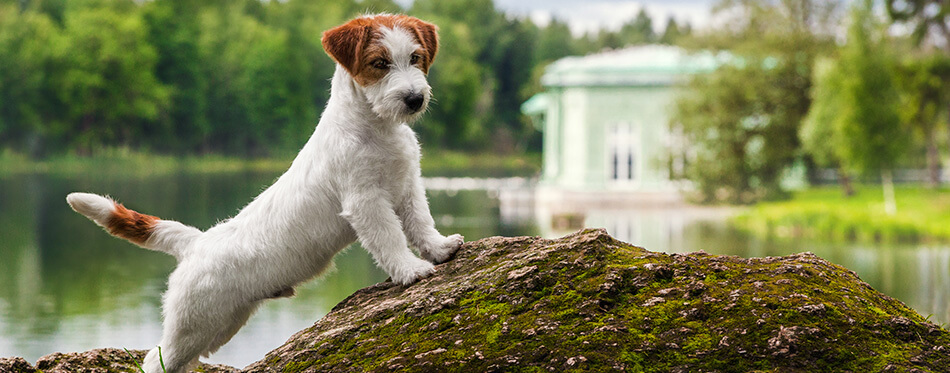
(146, 231)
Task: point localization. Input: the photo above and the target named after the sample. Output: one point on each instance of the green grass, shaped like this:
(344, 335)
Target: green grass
(460, 164)
(124, 162)
(119, 162)
(923, 215)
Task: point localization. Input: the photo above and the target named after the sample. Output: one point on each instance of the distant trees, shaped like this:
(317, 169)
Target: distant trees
(925, 73)
(249, 77)
(743, 118)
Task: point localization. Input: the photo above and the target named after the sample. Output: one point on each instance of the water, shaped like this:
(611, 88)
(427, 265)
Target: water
(67, 286)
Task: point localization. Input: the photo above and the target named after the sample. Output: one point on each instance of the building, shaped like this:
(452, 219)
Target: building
(607, 144)
(605, 119)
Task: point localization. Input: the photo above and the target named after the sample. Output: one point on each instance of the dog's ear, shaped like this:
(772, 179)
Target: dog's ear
(345, 44)
(429, 39)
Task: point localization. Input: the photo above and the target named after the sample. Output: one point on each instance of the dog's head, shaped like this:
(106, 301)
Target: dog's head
(388, 56)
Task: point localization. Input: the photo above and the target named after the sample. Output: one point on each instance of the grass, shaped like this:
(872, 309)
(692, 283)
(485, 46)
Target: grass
(125, 162)
(160, 360)
(923, 215)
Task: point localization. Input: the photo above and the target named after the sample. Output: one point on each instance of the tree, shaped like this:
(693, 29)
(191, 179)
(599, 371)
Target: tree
(817, 133)
(924, 90)
(866, 132)
(673, 32)
(639, 30)
(184, 125)
(930, 21)
(27, 103)
(107, 80)
(743, 118)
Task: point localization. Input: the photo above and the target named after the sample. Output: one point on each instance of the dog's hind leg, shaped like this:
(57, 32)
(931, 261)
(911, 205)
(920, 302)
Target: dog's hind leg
(237, 320)
(196, 323)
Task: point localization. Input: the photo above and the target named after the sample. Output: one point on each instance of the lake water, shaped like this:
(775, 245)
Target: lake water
(67, 286)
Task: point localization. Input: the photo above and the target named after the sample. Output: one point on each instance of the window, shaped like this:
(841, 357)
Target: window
(623, 144)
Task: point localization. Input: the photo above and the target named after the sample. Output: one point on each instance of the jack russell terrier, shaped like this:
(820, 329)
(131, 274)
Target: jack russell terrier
(357, 178)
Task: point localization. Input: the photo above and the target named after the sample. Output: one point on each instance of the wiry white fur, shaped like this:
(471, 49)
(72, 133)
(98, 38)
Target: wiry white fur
(357, 177)
(95, 207)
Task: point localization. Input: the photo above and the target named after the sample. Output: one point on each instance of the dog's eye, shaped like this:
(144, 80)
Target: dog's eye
(414, 59)
(381, 64)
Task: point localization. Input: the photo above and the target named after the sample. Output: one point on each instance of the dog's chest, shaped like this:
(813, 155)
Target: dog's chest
(392, 162)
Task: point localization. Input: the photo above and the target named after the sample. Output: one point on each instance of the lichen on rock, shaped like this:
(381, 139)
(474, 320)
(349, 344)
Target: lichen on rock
(587, 302)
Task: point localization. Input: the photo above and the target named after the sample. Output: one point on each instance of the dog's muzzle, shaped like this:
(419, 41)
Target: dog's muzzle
(414, 101)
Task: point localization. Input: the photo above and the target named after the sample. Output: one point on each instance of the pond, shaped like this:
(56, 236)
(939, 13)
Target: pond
(66, 286)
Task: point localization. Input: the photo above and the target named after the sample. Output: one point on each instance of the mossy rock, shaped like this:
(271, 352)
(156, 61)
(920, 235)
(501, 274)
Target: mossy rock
(587, 302)
(105, 360)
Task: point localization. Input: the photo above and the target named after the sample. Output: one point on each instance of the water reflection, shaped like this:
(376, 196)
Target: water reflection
(67, 286)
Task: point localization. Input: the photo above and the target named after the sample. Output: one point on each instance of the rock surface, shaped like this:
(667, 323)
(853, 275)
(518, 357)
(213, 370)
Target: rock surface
(588, 302)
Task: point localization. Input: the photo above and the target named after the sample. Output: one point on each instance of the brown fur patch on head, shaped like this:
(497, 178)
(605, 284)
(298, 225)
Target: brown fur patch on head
(354, 45)
(131, 225)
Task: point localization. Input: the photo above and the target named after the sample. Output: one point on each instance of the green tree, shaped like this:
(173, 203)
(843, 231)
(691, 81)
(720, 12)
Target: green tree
(924, 90)
(744, 117)
(673, 32)
(639, 30)
(107, 80)
(930, 21)
(554, 41)
(817, 133)
(184, 125)
(866, 133)
(27, 103)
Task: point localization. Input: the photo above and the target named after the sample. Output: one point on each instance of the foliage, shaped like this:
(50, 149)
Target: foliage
(927, 17)
(248, 77)
(924, 93)
(743, 118)
(868, 122)
(26, 94)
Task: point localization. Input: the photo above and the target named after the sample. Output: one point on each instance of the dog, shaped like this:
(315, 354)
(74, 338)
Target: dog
(357, 178)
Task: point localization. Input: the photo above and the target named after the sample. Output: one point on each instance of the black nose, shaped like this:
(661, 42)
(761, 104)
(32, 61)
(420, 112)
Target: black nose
(414, 101)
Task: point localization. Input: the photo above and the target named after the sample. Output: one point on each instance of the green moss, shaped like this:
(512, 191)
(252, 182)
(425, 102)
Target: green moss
(599, 304)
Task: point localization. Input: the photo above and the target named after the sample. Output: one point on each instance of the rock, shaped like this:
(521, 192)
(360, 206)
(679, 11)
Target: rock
(105, 360)
(588, 302)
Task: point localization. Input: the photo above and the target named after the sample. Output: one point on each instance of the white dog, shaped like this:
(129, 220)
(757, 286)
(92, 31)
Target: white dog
(357, 177)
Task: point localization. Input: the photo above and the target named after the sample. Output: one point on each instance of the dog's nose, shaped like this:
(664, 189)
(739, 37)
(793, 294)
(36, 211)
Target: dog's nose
(414, 101)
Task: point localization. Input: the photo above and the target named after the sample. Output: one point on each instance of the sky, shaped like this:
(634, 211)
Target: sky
(592, 15)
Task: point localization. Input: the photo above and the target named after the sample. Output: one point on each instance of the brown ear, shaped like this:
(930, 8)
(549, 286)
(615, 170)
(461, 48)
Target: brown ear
(345, 43)
(429, 39)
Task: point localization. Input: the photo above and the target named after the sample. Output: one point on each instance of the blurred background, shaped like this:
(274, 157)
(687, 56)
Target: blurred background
(737, 127)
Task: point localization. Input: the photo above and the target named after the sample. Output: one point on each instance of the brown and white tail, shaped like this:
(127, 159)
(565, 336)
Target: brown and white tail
(146, 231)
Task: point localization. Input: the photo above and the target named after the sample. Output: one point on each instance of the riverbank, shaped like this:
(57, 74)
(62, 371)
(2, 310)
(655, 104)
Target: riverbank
(125, 162)
(923, 215)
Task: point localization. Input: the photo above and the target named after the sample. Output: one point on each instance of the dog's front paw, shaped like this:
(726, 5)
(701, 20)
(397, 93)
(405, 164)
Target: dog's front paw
(412, 271)
(442, 251)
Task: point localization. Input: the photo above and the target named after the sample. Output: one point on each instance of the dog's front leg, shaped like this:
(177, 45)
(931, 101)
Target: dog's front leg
(379, 231)
(419, 227)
